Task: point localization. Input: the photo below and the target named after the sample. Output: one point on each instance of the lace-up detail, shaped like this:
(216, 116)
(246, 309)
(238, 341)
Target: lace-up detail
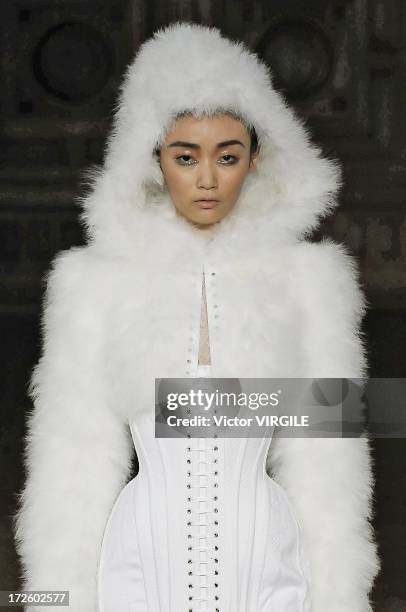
(203, 525)
(202, 502)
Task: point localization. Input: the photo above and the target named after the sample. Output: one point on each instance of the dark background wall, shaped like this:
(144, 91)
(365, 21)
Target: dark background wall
(341, 63)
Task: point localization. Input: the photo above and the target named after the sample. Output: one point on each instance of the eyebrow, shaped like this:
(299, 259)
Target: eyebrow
(192, 145)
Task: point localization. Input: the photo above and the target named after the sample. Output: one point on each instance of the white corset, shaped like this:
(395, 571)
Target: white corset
(171, 546)
(202, 527)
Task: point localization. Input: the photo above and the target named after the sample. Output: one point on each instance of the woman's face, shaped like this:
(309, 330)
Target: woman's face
(204, 162)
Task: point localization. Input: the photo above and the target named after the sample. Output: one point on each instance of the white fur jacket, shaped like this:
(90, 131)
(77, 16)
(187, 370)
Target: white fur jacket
(119, 312)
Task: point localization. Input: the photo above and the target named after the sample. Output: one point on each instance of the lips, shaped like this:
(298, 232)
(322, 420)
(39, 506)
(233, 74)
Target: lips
(207, 204)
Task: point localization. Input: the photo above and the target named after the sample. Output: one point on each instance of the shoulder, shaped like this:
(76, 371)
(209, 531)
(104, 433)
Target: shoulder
(78, 263)
(75, 294)
(327, 261)
(328, 275)
(326, 256)
(68, 266)
(80, 271)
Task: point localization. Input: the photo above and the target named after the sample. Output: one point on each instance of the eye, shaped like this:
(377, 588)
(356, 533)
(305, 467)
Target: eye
(187, 160)
(232, 159)
(184, 163)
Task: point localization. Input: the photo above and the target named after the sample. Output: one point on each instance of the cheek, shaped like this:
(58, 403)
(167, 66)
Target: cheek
(177, 181)
(233, 181)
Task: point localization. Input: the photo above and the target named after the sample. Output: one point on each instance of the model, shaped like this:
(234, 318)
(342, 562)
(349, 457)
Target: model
(197, 264)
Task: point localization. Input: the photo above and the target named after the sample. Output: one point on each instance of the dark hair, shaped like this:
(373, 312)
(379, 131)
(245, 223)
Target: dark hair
(251, 130)
(254, 140)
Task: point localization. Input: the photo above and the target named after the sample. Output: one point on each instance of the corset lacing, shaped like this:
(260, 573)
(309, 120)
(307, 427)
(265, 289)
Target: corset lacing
(202, 519)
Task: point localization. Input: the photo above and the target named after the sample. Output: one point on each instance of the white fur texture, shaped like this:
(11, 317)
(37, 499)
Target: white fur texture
(116, 316)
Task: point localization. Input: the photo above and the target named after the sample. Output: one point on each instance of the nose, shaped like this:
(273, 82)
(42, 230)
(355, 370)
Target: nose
(207, 175)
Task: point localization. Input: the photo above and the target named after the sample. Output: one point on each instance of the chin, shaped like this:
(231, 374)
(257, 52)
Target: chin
(207, 220)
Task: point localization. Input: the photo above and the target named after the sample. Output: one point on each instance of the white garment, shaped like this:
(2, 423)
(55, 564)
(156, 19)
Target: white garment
(123, 310)
(202, 527)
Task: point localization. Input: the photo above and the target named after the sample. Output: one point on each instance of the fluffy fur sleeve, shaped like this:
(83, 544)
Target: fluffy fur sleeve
(329, 481)
(77, 449)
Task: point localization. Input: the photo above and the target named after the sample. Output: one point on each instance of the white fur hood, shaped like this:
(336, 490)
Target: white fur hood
(191, 67)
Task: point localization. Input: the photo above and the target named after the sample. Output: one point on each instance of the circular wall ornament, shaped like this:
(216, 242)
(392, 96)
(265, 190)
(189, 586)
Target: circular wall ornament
(300, 57)
(73, 61)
